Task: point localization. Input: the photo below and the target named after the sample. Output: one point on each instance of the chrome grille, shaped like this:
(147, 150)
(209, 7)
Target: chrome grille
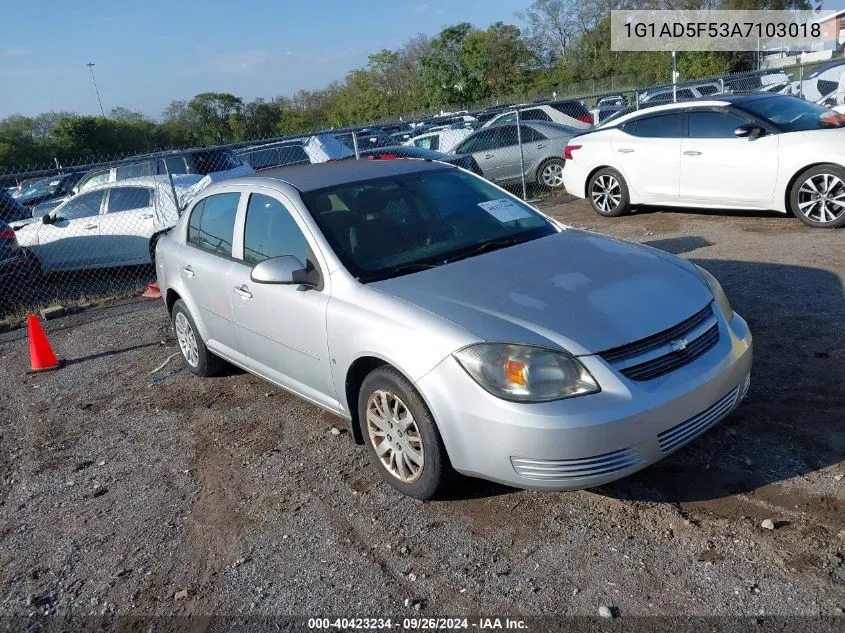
(665, 351)
(687, 431)
(556, 469)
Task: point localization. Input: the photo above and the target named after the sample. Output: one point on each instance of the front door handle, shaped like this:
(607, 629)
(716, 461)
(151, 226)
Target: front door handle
(489, 156)
(692, 153)
(243, 291)
(147, 216)
(625, 150)
(90, 227)
(189, 271)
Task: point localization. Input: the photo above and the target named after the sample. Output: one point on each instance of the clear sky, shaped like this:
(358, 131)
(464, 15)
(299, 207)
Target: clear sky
(151, 52)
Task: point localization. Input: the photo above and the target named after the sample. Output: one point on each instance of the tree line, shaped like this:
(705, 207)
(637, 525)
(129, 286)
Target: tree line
(563, 44)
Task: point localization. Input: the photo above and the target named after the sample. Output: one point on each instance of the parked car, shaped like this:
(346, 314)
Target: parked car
(823, 80)
(113, 224)
(218, 162)
(496, 151)
(10, 209)
(612, 101)
(367, 138)
(679, 93)
(17, 270)
(307, 150)
(757, 151)
(573, 114)
(444, 140)
(51, 188)
(452, 324)
(465, 161)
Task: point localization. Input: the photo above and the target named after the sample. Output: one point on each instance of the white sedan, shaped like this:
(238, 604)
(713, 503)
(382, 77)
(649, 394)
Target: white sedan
(115, 224)
(759, 151)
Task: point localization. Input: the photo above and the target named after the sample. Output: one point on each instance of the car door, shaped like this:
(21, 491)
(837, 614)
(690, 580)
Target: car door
(127, 224)
(72, 240)
(648, 153)
(206, 261)
(500, 162)
(480, 145)
(281, 328)
(717, 165)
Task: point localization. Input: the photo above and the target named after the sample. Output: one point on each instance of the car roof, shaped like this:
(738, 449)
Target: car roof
(330, 174)
(158, 180)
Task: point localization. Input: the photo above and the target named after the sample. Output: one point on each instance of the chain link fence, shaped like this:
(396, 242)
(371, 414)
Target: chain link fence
(73, 234)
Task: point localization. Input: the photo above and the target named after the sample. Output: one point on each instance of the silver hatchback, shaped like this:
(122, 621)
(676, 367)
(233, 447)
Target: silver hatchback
(454, 326)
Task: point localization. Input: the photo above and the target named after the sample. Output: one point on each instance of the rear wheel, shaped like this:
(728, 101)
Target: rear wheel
(197, 356)
(608, 193)
(550, 173)
(817, 197)
(401, 436)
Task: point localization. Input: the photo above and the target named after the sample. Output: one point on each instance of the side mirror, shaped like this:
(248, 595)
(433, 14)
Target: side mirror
(287, 270)
(749, 131)
(47, 219)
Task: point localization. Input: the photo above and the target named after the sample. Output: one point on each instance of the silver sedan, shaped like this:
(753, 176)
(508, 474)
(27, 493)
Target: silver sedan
(454, 326)
(496, 150)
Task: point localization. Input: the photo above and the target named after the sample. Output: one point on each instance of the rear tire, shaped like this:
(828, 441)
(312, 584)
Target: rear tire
(401, 435)
(816, 196)
(607, 192)
(550, 174)
(198, 358)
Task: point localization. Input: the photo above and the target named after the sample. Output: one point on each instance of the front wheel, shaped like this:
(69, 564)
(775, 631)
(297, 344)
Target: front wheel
(608, 193)
(817, 197)
(401, 436)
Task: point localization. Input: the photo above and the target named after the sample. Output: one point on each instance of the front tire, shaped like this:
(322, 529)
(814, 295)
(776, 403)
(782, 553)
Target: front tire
(608, 193)
(401, 435)
(817, 197)
(198, 358)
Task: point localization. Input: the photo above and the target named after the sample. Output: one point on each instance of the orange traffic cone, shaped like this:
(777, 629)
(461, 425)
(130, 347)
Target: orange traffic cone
(40, 353)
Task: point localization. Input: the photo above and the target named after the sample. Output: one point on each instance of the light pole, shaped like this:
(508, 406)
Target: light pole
(91, 68)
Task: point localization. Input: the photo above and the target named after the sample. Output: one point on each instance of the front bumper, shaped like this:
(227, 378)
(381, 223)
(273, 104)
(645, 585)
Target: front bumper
(590, 440)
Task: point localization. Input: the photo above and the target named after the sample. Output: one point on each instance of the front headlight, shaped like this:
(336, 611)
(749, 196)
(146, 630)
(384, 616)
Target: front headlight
(525, 373)
(718, 294)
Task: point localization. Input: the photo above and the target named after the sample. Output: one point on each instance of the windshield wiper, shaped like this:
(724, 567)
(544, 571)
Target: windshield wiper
(493, 245)
(404, 269)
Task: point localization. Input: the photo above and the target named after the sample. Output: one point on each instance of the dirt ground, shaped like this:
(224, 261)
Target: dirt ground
(126, 493)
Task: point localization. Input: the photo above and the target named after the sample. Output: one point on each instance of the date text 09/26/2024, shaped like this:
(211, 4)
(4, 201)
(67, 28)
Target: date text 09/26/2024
(418, 624)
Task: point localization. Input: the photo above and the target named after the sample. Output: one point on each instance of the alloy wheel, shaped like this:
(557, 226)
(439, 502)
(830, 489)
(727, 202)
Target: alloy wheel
(821, 198)
(552, 175)
(187, 340)
(395, 436)
(606, 193)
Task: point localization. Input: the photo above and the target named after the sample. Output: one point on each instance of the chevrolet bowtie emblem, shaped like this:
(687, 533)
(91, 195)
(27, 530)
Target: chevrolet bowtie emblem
(679, 345)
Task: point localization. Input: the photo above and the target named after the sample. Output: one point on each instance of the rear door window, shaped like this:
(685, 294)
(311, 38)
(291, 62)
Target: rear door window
(212, 225)
(129, 199)
(662, 126)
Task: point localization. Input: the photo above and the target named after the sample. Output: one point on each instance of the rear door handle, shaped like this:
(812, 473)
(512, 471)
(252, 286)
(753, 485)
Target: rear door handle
(625, 150)
(243, 291)
(489, 156)
(147, 216)
(189, 271)
(692, 153)
(541, 145)
(89, 227)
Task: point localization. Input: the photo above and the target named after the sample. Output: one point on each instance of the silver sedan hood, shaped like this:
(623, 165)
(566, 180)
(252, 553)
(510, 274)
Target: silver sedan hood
(576, 290)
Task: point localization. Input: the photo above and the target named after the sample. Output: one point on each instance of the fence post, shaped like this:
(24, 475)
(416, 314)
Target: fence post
(521, 155)
(721, 84)
(355, 144)
(801, 76)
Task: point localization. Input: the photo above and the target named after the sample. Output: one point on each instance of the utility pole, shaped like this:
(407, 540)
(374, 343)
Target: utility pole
(91, 68)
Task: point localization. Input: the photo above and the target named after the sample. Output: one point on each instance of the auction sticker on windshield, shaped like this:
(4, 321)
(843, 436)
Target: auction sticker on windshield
(504, 210)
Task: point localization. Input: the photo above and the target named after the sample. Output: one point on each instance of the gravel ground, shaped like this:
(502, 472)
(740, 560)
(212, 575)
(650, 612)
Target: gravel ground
(130, 493)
